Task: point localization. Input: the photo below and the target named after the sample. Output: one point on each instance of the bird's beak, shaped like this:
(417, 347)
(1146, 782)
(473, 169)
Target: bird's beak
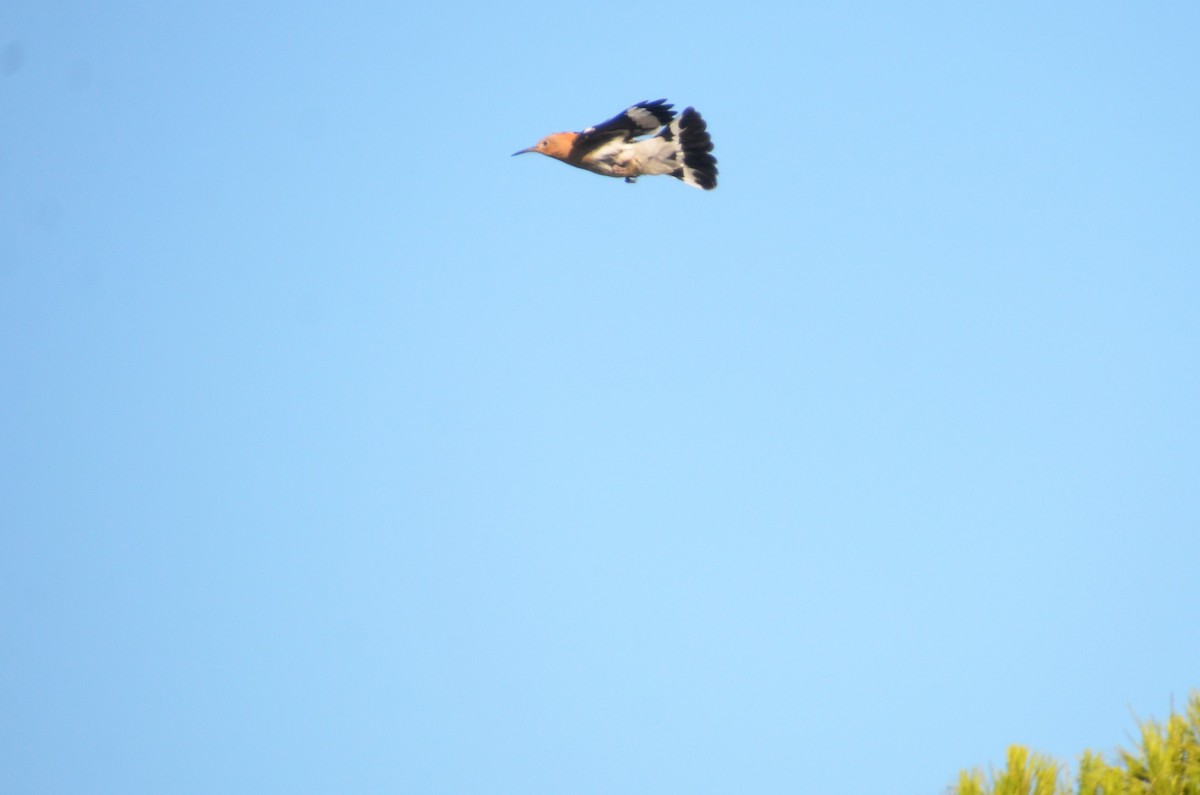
(526, 149)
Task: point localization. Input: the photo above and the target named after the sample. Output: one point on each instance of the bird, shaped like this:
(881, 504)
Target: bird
(619, 147)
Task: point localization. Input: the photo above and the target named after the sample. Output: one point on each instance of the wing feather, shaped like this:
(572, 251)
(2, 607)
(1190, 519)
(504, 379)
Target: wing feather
(640, 119)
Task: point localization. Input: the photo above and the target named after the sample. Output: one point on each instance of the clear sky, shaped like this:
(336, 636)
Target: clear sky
(342, 452)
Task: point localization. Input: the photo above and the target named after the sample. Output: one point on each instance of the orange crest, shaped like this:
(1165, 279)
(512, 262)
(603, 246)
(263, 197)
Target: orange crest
(557, 145)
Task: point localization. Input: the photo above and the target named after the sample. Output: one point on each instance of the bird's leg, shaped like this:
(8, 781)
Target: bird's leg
(623, 167)
(631, 180)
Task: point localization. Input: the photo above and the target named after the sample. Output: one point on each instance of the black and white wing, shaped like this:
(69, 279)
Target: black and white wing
(641, 119)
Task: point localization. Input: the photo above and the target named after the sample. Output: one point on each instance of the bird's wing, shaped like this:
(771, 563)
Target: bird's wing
(641, 119)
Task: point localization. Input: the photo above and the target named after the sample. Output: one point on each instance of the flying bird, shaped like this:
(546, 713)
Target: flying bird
(620, 147)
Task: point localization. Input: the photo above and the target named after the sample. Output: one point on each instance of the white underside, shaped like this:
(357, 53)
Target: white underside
(636, 158)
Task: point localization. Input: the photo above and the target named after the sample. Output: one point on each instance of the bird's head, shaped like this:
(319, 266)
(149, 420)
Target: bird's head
(557, 146)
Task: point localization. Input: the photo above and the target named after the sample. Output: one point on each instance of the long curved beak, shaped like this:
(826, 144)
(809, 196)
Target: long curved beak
(523, 151)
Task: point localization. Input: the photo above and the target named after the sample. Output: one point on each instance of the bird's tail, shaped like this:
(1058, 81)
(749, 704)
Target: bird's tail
(699, 167)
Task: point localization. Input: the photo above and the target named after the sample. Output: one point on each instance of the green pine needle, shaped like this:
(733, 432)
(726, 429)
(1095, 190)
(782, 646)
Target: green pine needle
(1166, 761)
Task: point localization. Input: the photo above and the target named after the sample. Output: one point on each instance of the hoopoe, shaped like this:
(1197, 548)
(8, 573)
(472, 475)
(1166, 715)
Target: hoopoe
(617, 147)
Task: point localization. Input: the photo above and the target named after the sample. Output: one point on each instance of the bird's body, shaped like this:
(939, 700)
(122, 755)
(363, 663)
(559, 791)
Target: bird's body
(680, 147)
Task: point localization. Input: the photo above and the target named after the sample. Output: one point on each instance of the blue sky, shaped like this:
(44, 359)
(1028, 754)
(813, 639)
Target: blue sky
(342, 452)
